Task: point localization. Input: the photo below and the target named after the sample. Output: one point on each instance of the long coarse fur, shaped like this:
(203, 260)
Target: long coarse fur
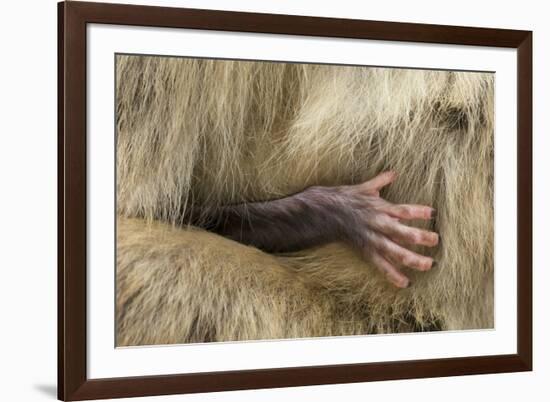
(211, 132)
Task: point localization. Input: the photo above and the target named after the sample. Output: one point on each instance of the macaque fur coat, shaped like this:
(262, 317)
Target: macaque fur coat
(214, 132)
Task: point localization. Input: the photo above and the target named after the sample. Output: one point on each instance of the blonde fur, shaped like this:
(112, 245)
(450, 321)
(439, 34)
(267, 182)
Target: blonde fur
(213, 132)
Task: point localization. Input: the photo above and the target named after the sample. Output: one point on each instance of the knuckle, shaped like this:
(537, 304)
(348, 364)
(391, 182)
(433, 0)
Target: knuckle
(408, 212)
(409, 261)
(380, 222)
(415, 237)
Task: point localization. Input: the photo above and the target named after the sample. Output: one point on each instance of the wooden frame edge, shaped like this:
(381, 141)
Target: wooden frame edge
(525, 198)
(72, 380)
(296, 376)
(60, 204)
(71, 200)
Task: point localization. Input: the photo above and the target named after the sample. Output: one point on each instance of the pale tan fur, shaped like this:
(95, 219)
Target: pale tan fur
(209, 133)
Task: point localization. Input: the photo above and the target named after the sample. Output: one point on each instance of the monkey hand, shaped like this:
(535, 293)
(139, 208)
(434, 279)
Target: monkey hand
(375, 227)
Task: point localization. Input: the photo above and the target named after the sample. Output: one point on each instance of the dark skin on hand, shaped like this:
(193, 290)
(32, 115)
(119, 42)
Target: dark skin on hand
(384, 238)
(355, 214)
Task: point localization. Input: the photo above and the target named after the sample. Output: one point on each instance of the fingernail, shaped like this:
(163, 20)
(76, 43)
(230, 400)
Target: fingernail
(433, 213)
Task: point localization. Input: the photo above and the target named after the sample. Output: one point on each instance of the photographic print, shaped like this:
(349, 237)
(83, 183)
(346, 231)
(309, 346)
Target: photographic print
(262, 200)
(251, 200)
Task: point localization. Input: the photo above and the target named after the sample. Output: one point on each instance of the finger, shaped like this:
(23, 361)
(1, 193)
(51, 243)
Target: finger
(409, 211)
(404, 234)
(376, 183)
(391, 273)
(409, 235)
(394, 252)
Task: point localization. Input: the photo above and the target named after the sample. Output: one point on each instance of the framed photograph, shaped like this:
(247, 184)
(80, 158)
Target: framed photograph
(253, 200)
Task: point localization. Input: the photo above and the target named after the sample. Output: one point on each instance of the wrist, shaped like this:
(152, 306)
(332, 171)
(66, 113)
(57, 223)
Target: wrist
(327, 208)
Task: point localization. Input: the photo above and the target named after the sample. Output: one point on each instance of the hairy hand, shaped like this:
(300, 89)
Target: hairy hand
(375, 226)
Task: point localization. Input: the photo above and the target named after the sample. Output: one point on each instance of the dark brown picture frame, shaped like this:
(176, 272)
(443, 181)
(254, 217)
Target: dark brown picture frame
(73, 383)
